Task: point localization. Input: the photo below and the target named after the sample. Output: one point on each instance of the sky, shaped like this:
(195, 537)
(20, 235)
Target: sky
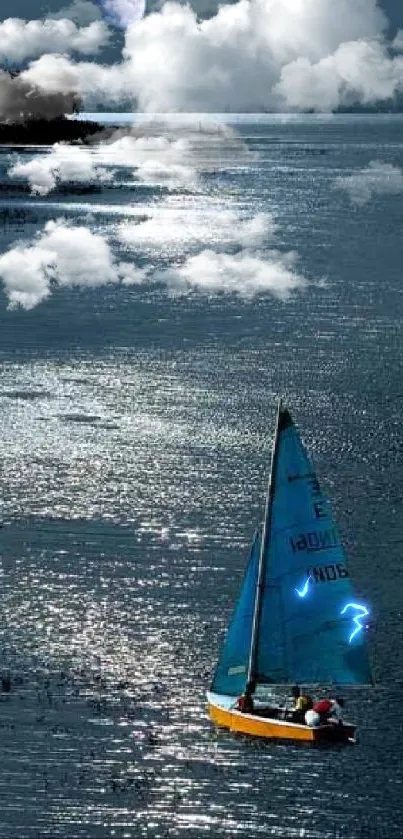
(166, 56)
(30, 9)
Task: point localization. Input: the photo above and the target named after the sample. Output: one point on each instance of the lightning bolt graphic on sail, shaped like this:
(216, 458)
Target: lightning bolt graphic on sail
(363, 611)
(304, 591)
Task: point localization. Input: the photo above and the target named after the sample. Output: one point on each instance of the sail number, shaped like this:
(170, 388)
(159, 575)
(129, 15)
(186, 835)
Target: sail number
(320, 540)
(316, 540)
(327, 573)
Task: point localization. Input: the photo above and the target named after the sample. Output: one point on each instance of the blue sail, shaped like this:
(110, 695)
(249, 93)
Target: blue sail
(231, 673)
(309, 627)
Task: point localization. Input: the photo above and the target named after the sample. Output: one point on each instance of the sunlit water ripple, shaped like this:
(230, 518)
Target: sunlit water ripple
(136, 431)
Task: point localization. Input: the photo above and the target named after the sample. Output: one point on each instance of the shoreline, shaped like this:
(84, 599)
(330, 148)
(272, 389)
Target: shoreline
(33, 132)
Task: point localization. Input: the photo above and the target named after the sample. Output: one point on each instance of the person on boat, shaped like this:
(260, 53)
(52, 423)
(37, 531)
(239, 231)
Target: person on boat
(329, 710)
(244, 702)
(295, 693)
(322, 707)
(302, 704)
(312, 718)
(336, 712)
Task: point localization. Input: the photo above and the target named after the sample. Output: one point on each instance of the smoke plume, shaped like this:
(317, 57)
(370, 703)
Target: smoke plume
(20, 100)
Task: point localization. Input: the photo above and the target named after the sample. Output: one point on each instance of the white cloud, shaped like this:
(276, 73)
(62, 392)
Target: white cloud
(252, 55)
(358, 71)
(72, 164)
(154, 160)
(21, 39)
(244, 274)
(63, 164)
(56, 73)
(62, 255)
(234, 60)
(377, 178)
(26, 275)
(166, 159)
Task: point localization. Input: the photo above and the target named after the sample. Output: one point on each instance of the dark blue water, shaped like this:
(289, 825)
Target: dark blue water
(136, 430)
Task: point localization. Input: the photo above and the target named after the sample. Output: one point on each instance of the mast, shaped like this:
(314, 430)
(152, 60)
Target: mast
(263, 554)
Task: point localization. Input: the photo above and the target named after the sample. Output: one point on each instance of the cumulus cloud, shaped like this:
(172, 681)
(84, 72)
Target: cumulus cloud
(153, 160)
(63, 164)
(156, 159)
(20, 97)
(22, 39)
(61, 255)
(66, 255)
(377, 178)
(356, 72)
(244, 274)
(251, 55)
(57, 74)
(261, 54)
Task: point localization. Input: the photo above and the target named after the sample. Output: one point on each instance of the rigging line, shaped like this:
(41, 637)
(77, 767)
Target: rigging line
(264, 550)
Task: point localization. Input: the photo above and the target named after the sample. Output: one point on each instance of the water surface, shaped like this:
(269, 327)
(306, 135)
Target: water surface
(136, 431)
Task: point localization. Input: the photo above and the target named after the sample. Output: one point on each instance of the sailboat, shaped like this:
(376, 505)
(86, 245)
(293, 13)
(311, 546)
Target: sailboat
(296, 620)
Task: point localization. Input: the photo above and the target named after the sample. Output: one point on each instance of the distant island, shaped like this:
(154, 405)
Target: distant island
(44, 132)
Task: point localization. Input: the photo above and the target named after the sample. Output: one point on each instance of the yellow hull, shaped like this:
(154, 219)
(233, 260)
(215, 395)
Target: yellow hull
(256, 726)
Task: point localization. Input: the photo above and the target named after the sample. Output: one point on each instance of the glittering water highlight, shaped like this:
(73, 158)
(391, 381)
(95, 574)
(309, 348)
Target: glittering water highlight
(136, 432)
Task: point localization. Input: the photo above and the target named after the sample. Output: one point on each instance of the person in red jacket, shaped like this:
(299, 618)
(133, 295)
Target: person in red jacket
(245, 703)
(329, 710)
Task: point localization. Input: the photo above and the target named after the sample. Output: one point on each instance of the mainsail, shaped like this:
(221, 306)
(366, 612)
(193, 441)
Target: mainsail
(307, 627)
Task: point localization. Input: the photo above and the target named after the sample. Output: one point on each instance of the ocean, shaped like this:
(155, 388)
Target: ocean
(137, 418)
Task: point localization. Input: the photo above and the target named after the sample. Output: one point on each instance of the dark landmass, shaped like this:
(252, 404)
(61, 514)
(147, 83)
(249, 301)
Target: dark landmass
(386, 106)
(45, 132)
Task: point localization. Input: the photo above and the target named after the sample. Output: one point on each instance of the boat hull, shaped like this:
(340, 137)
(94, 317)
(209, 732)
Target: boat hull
(255, 725)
